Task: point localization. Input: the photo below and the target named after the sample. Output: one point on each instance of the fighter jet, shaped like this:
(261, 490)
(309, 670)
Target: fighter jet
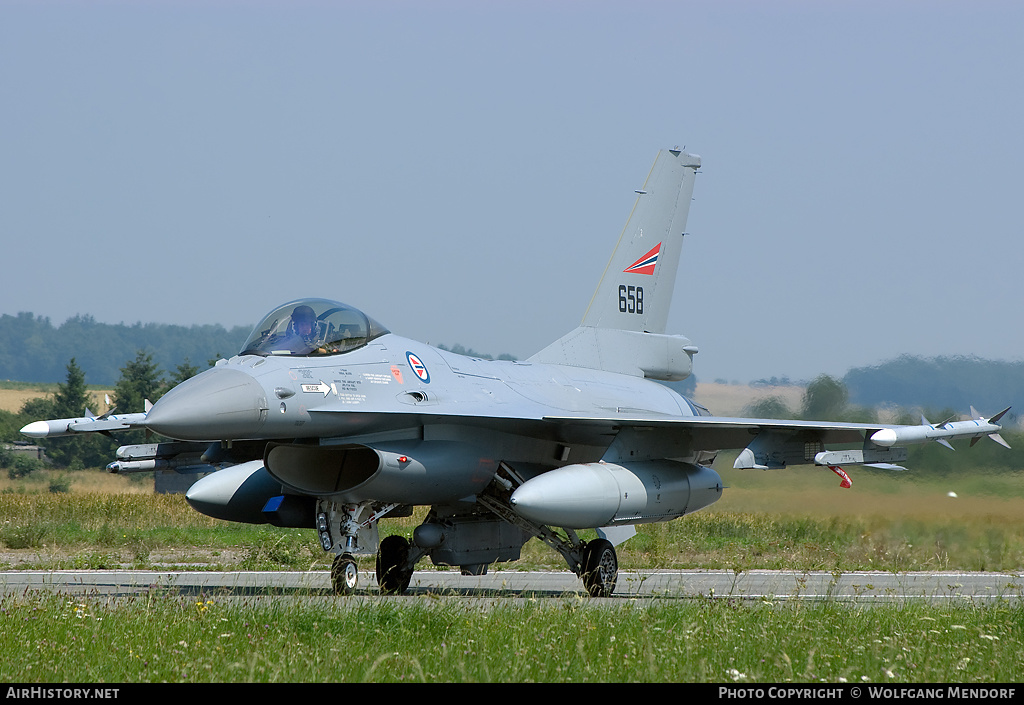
(326, 419)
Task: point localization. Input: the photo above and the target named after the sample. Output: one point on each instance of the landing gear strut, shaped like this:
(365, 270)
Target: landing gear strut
(348, 530)
(594, 561)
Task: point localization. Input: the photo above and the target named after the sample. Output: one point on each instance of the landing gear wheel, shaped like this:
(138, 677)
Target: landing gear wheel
(393, 576)
(344, 574)
(600, 568)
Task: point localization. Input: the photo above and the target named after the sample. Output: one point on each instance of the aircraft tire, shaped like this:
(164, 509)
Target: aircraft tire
(600, 568)
(344, 574)
(393, 576)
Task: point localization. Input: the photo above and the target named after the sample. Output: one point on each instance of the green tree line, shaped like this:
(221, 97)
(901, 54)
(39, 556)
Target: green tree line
(940, 386)
(958, 382)
(32, 349)
(827, 398)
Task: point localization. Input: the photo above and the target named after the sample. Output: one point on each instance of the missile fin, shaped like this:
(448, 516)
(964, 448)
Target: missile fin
(885, 466)
(998, 416)
(943, 441)
(998, 439)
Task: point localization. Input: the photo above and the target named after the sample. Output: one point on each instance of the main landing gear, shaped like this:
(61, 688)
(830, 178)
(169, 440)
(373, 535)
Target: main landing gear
(352, 530)
(594, 561)
(393, 570)
(599, 567)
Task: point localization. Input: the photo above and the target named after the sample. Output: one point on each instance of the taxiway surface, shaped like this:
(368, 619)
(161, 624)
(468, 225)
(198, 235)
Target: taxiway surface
(936, 587)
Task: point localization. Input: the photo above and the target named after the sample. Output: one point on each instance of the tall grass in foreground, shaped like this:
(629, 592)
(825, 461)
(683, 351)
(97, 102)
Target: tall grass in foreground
(101, 531)
(154, 639)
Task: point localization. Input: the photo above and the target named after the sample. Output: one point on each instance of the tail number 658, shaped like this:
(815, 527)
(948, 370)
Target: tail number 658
(631, 299)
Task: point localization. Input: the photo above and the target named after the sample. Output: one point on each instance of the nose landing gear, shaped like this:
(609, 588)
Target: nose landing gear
(344, 574)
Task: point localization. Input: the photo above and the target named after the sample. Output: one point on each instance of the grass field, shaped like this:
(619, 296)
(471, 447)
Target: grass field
(206, 639)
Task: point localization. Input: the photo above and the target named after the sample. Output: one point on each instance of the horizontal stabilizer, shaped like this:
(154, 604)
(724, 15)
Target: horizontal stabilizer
(650, 355)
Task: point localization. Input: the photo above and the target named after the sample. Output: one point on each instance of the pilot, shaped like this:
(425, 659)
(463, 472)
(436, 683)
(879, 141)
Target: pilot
(301, 330)
(303, 321)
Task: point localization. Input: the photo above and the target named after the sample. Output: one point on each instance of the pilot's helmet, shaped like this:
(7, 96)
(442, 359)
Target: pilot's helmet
(303, 320)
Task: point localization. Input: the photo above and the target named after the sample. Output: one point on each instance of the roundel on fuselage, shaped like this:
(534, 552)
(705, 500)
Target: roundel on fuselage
(418, 368)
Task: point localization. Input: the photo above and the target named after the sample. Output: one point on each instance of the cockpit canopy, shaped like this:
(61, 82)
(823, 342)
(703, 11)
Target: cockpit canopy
(312, 327)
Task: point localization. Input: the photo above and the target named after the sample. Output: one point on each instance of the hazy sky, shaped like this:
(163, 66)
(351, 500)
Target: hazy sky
(462, 170)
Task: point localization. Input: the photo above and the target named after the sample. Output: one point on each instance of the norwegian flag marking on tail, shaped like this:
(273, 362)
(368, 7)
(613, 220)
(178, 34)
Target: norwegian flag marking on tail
(645, 265)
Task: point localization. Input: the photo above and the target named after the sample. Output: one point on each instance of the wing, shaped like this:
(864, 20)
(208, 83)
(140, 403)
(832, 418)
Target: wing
(772, 443)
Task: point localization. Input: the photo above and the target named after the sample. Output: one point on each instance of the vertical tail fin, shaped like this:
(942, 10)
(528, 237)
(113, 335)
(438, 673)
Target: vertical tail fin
(636, 289)
(624, 325)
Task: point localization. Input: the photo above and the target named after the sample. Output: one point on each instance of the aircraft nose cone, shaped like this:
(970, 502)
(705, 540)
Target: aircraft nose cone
(219, 404)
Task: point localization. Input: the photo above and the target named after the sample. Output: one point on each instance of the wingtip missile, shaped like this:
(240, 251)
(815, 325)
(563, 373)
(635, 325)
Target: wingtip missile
(974, 428)
(37, 429)
(56, 428)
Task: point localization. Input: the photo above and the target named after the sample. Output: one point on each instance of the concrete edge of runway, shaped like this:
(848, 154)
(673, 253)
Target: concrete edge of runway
(867, 587)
